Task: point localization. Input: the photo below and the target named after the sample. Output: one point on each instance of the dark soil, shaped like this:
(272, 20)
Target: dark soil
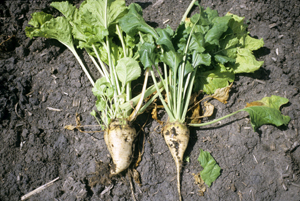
(38, 74)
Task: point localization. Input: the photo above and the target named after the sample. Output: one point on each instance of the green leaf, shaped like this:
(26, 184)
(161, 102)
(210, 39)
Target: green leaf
(105, 12)
(220, 26)
(267, 111)
(197, 43)
(67, 9)
(229, 46)
(180, 37)
(252, 43)
(209, 81)
(172, 59)
(93, 113)
(102, 88)
(188, 68)
(223, 59)
(94, 22)
(133, 22)
(55, 28)
(187, 159)
(147, 54)
(101, 104)
(237, 24)
(89, 28)
(128, 70)
(211, 170)
(210, 14)
(38, 19)
(199, 59)
(246, 62)
(165, 38)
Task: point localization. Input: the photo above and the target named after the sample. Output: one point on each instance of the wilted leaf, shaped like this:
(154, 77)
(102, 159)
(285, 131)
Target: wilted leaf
(193, 99)
(154, 114)
(70, 127)
(209, 109)
(136, 177)
(199, 181)
(140, 150)
(196, 115)
(77, 118)
(222, 94)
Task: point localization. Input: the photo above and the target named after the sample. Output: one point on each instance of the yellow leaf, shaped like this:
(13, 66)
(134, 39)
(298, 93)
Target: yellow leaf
(70, 127)
(199, 181)
(254, 103)
(77, 119)
(209, 109)
(193, 99)
(154, 114)
(196, 115)
(137, 177)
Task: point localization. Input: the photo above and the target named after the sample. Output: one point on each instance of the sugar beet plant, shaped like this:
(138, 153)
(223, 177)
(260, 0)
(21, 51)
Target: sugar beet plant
(95, 28)
(204, 53)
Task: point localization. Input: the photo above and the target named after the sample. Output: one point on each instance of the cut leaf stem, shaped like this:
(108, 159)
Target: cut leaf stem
(214, 121)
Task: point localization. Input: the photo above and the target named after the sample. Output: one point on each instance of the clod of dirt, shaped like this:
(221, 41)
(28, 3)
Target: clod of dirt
(101, 175)
(296, 157)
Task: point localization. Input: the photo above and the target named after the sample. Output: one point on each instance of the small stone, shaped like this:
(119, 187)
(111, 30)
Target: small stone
(272, 146)
(24, 133)
(232, 187)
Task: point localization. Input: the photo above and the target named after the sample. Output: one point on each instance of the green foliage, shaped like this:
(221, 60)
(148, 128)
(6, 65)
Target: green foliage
(222, 43)
(67, 9)
(103, 13)
(94, 26)
(133, 21)
(204, 53)
(226, 40)
(103, 88)
(210, 80)
(128, 70)
(44, 25)
(147, 55)
(165, 38)
(172, 59)
(211, 170)
(199, 59)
